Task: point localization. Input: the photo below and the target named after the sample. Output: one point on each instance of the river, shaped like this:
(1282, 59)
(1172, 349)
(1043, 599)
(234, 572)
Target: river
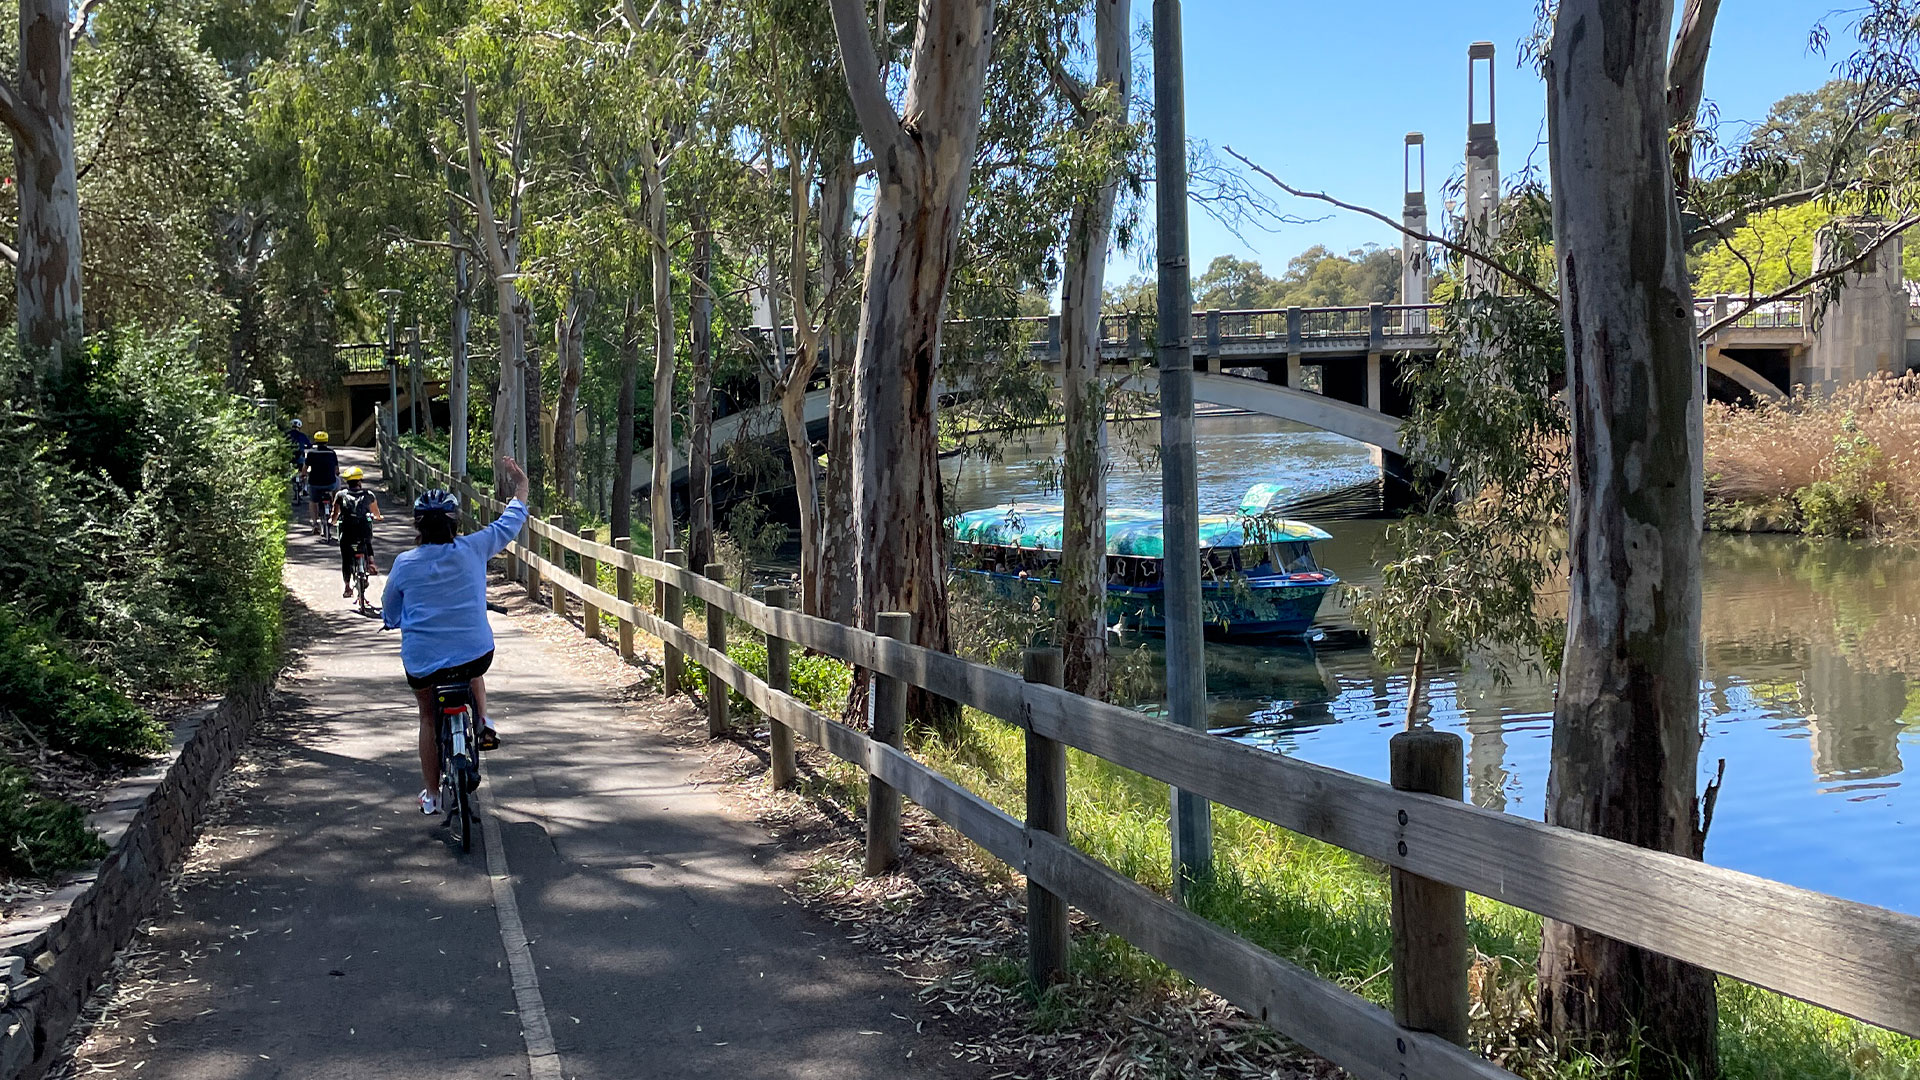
(1811, 692)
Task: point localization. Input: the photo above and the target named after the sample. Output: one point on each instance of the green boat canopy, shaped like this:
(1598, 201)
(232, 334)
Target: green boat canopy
(1038, 527)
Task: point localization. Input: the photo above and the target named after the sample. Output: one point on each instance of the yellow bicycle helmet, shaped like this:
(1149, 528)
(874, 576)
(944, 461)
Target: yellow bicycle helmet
(320, 436)
(354, 473)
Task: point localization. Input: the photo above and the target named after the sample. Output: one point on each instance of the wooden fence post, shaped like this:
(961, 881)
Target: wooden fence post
(623, 586)
(1429, 919)
(530, 575)
(889, 726)
(590, 574)
(717, 725)
(557, 555)
(1047, 928)
(673, 601)
(781, 765)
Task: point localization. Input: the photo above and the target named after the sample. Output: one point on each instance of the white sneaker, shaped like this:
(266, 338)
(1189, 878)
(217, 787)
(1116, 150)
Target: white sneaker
(429, 803)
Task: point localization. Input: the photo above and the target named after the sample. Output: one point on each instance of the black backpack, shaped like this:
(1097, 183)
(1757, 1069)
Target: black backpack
(355, 506)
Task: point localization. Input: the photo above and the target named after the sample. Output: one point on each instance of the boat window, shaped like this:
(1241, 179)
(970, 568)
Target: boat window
(1293, 557)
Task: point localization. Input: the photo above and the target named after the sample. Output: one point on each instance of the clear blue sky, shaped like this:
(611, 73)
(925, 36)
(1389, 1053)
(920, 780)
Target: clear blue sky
(1322, 94)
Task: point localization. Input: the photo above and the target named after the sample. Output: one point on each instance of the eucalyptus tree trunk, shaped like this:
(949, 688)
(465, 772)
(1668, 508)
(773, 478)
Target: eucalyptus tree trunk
(535, 441)
(502, 252)
(922, 170)
(1082, 606)
(837, 542)
(570, 340)
(806, 489)
(620, 515)
(1626, 733)
(461, 322)
(39, 111)
(661, 503)
(700, 426)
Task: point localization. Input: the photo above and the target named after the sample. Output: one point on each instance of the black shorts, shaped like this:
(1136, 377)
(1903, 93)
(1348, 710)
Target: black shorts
(458, 673)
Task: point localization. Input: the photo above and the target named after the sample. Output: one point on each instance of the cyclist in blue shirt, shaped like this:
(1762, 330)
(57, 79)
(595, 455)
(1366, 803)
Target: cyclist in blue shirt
(436, 595)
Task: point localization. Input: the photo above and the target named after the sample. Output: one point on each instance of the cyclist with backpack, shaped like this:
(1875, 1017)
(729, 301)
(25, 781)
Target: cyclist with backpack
(355, 509)
(322, 474)
(436, 595)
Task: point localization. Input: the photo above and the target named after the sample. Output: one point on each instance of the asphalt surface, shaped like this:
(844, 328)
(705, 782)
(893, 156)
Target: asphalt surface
(330, 930)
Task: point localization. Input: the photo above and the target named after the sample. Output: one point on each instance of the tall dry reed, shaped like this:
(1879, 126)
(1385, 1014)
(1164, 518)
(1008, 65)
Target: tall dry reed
(1859, 445)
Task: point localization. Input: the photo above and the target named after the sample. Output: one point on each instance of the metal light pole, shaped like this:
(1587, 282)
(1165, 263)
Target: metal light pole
(1179, 477)
(392, 297)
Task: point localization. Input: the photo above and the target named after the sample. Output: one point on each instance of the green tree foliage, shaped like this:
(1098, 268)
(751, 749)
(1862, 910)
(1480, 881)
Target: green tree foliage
(1487, 438)
(1314, 278)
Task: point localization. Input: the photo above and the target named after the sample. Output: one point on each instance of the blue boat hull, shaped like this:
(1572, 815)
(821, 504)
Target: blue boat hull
(1253, 607)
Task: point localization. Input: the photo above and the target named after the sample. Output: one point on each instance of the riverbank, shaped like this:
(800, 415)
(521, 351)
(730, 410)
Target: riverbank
(1842, 464)
(1316, 905)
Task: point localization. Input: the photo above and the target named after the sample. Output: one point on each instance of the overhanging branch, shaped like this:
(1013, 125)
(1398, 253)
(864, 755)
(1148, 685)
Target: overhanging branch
(1531, 286)
(1811, 280)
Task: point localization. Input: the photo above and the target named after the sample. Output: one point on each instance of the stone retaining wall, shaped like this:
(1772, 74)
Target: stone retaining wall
(54, 953)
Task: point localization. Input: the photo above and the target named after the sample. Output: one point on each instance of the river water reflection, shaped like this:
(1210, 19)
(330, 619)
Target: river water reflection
(1811, 691)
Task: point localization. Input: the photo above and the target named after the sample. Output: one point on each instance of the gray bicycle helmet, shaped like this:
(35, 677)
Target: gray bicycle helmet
(436, 503)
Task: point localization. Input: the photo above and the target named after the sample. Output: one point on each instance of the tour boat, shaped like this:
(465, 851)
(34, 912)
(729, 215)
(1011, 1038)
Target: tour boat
(1258, 574)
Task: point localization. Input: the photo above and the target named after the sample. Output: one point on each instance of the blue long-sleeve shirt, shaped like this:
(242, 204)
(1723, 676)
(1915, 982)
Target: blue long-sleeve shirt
(436, 595)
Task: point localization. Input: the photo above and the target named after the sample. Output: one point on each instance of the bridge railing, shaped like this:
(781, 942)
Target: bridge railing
(1373, 327)
(1790, 312)
(1853, 958)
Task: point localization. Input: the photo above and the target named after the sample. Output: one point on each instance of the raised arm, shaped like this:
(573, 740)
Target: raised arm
(494, 538)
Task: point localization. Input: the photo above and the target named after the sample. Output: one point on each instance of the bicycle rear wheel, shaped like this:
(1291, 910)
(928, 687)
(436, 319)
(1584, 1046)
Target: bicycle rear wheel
(463, 816)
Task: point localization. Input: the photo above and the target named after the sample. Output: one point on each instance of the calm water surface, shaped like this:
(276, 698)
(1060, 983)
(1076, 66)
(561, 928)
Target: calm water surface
(1811, 690)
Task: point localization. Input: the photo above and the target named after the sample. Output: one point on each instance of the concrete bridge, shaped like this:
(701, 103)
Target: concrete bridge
(1336, 368)
(1357, 422)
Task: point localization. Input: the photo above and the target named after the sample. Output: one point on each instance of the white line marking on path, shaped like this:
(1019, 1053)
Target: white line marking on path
(543, 1058)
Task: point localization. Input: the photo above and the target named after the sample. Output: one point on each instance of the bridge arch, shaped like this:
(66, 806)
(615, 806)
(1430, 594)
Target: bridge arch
(1749, 380)
(1233, 391)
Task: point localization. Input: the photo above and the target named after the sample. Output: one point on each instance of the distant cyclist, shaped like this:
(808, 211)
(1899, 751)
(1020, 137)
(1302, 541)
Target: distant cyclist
(436, 595)
(355, 509)
(322, 474)
(301, 442)
(297, 435)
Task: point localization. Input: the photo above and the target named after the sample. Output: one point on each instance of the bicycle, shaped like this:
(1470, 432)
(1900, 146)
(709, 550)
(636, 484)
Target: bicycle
(459, 740)
(362, 569)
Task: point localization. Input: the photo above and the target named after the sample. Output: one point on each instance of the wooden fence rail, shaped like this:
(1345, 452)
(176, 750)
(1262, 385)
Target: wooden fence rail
(1853, 958)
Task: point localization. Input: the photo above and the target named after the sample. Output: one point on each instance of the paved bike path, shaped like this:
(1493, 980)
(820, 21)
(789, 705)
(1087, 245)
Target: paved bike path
(337, 933)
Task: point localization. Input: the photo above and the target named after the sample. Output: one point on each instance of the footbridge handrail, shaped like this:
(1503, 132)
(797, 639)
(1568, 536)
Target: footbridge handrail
(1853, 958)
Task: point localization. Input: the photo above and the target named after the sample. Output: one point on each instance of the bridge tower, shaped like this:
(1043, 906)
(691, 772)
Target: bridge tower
(1416, 266)
(1864, 329)
(1483, 158)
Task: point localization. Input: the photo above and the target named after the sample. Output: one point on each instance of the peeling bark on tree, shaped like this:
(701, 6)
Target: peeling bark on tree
(838, 545)
(922, 167)
(39, 112)
(1626, 735)
(1081, 617)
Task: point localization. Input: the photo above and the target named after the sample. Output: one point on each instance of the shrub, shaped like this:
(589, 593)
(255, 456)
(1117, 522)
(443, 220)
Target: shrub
(39, 836)
(65, 703)
(147, 518)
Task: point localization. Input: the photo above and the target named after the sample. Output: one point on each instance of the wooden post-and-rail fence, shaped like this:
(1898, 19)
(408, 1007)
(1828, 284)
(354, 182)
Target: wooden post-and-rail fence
(1853, 958)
